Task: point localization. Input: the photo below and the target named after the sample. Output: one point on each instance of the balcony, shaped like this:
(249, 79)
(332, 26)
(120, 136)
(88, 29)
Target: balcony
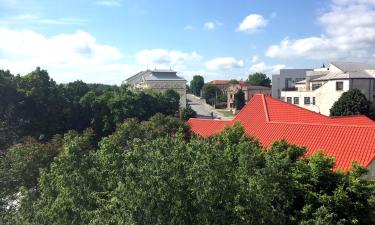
(289, 89)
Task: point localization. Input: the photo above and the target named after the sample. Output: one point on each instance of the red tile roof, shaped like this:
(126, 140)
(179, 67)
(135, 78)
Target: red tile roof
(348, 138)
(219, 82)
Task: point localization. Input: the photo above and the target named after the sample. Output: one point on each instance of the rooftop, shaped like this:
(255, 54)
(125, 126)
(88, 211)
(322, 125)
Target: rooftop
(348, 139)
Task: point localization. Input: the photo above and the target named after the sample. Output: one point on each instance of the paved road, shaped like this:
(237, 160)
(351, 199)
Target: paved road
(203, 110)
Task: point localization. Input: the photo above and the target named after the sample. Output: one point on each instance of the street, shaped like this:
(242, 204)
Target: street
(203, 109)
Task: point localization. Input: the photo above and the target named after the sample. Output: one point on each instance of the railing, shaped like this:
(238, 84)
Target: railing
(289, 89)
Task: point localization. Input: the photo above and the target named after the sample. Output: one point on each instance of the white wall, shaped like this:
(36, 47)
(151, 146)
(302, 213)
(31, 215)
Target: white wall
(301, 95)
(325, 96)
(278, 81)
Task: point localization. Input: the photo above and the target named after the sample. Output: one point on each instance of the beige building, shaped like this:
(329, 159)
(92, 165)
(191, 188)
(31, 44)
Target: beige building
(324, 86)
(159, 81)
(248, 90)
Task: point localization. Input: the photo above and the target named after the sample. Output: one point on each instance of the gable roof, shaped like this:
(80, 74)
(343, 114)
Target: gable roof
(348, 139)
(154, 75)
(352, 66)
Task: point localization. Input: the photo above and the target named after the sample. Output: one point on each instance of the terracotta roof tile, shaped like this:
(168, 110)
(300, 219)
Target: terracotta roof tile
(348, 139)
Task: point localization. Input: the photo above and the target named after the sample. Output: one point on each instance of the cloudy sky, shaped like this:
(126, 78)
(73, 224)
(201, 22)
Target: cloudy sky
(109, 40)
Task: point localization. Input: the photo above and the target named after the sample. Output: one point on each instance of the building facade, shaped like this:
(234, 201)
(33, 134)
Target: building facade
(248, 90)
(159, 81)
(286, 80)
(322, 87)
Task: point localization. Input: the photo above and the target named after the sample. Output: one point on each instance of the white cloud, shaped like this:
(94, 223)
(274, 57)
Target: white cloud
(254, 59)
(111, 3)
(349, 33)
(223, 63)
(166, 58)
(210, 25)
(66, 56)
(30, 18)
(268, 69)
(252, 22)
(188, 27)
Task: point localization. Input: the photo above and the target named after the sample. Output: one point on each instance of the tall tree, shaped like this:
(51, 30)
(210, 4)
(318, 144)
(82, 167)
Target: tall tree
(259, 79)
(210, 93)
(239, 99)
(352, 102)
(196, 85)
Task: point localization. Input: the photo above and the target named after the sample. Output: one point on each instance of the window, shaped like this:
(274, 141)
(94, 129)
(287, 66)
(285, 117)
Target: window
(313, 101)
(306, 100)
(339, 86)
(296, 100)
(315, 86)
(289, 100)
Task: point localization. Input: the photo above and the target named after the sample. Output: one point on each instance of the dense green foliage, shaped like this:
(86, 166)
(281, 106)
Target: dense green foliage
(239, 99)
(125, 163)
(259, 79)
(187, 113)
(233, 81)
(352, 102)
(196, 85)
(34, 105)
(155, 173)
(210, 93)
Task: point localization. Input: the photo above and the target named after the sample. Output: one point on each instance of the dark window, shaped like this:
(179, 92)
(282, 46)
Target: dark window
(296, 100)
(306, 100)
(313, 101)
(289, 100)
(339, 86)
(315, 86)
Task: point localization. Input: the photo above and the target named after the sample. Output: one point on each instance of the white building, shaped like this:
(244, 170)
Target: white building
(159, 81)
(324, 86)
(286, 80)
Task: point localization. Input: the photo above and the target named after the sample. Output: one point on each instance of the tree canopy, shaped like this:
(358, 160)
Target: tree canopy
(196, 85)
(210, 93)
(34, 105)
(154, 173)
(126, 163)
(352, 102)
(259, 79)
(239, 99)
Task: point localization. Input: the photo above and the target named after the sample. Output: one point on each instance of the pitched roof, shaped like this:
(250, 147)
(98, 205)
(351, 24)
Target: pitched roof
(163, 75)
(219, 82)
(348, 139)
(352, 66)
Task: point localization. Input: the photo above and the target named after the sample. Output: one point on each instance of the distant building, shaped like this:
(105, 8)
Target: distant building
(159, 81)
(286, 80)
(348, 139)
(249, 91)
(221, 84)
(322, 87)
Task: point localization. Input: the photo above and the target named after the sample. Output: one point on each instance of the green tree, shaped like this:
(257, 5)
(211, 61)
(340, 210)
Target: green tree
(19, 171)
(259, 79)
(196, 85)
(352, 102)
(187, 113)
(233, 81)
(210, 93)
(150, 172)
(239, 99)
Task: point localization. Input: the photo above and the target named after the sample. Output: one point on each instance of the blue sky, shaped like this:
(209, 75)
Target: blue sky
(109, 40)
